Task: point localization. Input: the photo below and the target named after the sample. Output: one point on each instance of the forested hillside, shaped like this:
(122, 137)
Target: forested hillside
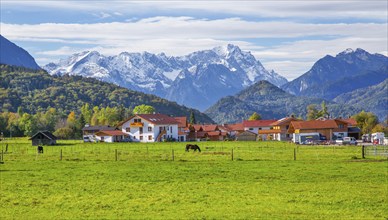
(35, 91)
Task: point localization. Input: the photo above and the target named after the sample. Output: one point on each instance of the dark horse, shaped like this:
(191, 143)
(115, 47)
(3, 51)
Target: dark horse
(193, 147)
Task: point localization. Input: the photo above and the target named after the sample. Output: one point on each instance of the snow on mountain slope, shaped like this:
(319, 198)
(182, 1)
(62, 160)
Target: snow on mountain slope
(227, 68)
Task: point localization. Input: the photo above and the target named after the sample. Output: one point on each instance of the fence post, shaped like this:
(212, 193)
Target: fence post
(172, 154)
(2, 157)
(294, 154)
(60, 155)
(115, 154)
(232, 154)
(363, 152)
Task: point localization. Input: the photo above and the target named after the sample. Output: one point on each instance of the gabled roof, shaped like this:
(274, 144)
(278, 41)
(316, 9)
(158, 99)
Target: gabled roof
(210, 127)
(197, 127)
(284, 121)
(156, 119)
(47, 134)
(182, 121)
(236, 127)
(350, 121)
(315, 124)
(111, 133)
(258, 123)
(99, 128)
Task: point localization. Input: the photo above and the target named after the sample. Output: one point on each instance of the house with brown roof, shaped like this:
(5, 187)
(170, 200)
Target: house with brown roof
(330, 128)
(151, 128)
(111, 136)
(231, 130)
(183, 130)
(280, 129)
(260, 127)
(246, 136)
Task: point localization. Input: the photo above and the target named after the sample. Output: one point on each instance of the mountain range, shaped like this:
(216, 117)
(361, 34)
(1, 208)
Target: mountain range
(196, 80)
(232, 80)
(347, 71)
(270, 102)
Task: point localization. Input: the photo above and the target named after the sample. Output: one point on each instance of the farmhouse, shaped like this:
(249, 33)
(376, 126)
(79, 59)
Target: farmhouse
(330, 128)
(89, 132)
(43, 138)
(280, 129)
(260, 127)
(150, 128)
(111, 136)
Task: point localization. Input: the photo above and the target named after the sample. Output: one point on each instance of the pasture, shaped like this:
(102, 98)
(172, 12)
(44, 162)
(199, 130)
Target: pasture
(226, 180)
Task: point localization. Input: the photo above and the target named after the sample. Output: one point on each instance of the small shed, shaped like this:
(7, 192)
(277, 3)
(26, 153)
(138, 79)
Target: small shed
(43, 138)
(246, 136)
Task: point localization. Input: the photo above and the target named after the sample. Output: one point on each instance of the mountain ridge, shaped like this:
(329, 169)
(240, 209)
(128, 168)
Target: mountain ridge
(161, 75)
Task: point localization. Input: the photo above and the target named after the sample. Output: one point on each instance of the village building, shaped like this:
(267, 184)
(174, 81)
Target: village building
(43, 138)
(89, 132)
(183, 130)
(331, 129)
(151, 128)
(280, 129)
(260, 127)
(111, 136)
(353, 129)
(246, 136)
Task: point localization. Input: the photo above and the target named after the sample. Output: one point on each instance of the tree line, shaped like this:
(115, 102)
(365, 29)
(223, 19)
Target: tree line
(65, 126)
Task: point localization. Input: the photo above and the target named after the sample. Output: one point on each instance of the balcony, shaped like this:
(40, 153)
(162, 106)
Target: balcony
(137, 124)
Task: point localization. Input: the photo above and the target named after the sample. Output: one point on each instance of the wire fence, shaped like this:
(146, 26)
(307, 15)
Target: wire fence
(210, 151)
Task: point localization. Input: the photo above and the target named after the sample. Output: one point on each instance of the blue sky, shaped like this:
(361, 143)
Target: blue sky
(287, 36)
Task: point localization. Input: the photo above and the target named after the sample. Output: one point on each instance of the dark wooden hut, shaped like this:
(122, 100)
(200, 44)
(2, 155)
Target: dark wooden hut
(43, 138)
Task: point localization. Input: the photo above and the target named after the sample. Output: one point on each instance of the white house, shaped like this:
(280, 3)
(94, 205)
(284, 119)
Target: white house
(150, 128)
(111, 136)
(260, 127)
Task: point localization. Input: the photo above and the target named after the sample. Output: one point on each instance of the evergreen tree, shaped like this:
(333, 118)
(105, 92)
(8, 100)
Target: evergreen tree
(192, 118)
(254, 116)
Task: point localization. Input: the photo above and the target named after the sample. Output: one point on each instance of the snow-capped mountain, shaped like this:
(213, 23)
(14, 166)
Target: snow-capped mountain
(197, 80)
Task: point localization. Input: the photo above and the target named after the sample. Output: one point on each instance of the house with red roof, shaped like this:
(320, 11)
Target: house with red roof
(183, 130)
(151, 128)
(260, 127)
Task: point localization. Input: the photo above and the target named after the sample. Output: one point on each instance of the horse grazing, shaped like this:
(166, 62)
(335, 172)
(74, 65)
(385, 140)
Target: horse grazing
(193, 147)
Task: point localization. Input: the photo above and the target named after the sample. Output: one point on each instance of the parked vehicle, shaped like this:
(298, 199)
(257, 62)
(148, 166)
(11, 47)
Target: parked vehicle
(347, 141)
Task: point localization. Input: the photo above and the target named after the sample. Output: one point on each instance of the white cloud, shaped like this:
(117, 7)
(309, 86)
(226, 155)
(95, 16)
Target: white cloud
(371, 9)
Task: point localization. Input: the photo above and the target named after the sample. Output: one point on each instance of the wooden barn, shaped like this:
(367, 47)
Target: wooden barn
(246, 136)
(43, 138)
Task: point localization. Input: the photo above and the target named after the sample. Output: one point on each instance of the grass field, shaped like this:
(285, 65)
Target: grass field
(162, 181)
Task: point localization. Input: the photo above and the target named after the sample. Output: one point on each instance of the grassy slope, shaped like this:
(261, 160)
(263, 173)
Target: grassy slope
(262, 182)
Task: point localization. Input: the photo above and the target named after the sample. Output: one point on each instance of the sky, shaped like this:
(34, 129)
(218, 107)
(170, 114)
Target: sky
(286, 36)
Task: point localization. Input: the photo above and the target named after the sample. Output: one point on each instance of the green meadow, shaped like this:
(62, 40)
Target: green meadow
(227, 180)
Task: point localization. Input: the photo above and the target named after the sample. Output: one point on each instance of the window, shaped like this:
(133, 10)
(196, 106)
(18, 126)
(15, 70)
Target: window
(137, 120)
(251, 129)
(141, 137)
(128, 129)
(259, 128)
(150, 137)
(141, 130)
(340, 126)
(149, 128)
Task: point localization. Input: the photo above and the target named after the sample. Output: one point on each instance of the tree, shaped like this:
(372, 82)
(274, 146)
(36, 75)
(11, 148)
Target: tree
(192, 118)
(324, 112)
(366, 121)
(254, 116)
(71, 120)
(86, 112)
(312, 112)
(64, 133)
(143, 109)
